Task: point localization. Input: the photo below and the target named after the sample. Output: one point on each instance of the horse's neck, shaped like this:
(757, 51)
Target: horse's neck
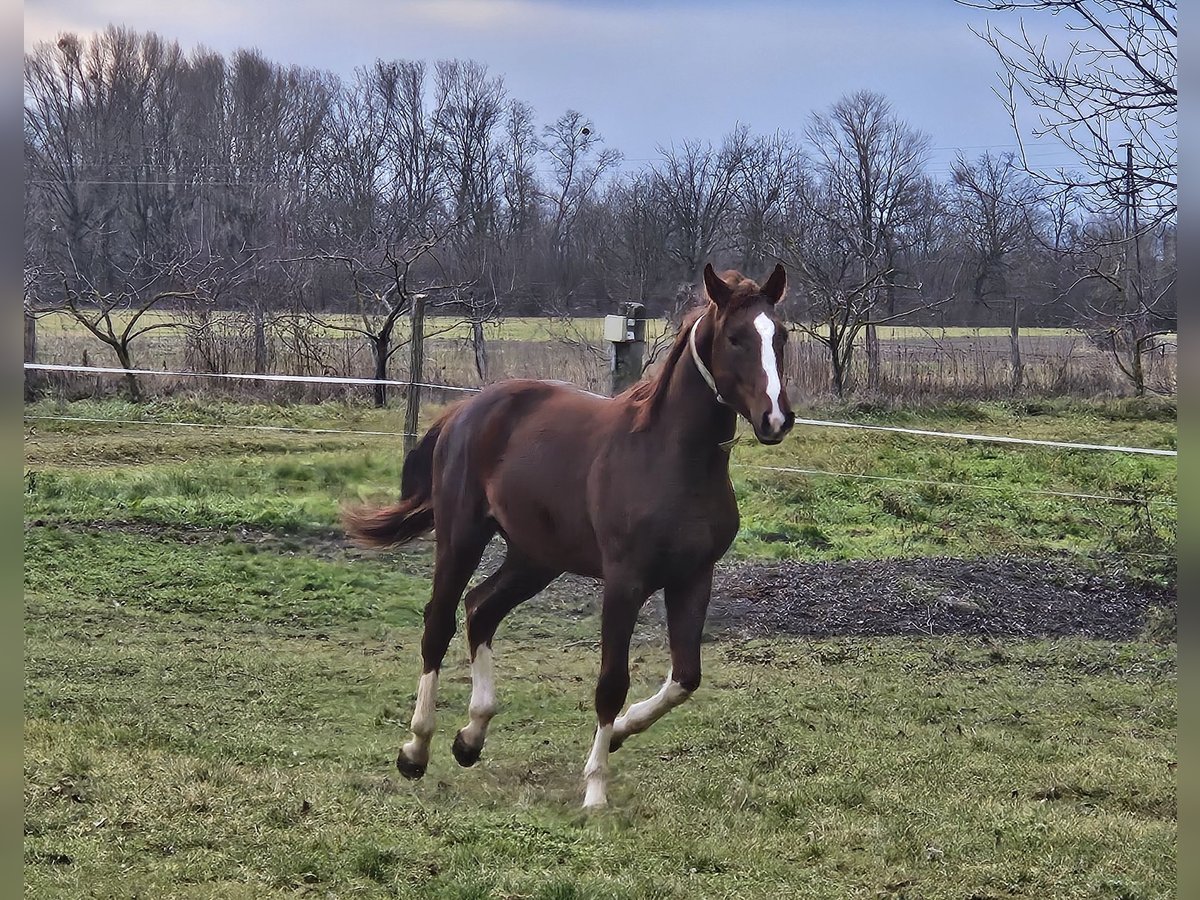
(694, 423)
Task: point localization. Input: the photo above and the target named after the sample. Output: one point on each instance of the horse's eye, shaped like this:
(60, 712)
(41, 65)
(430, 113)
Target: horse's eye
(734, 342)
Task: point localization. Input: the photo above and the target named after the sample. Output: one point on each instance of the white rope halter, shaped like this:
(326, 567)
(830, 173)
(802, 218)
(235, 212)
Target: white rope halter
(700, 366)
(710, 381)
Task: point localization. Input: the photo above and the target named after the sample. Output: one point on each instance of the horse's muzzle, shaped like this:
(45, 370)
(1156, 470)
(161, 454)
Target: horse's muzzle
(767, 433)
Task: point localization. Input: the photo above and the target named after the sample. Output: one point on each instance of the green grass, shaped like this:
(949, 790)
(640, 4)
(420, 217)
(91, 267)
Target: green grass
(212, 711)
(221, 740)
(954, 497)
(982, 500)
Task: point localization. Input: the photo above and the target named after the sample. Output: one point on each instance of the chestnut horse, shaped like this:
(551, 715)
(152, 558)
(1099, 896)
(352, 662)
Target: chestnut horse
(633, 489)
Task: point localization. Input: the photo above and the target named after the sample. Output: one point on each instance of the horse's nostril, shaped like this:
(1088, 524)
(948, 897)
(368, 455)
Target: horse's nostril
(789, 420)
(766, 424)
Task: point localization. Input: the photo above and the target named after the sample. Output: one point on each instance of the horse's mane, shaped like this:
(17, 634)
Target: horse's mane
(647, 395)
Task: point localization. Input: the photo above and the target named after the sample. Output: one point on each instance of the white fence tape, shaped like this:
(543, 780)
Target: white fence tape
(223, 425)
(298, 379)
(819, 423)
(987, 438)
(1108, 498)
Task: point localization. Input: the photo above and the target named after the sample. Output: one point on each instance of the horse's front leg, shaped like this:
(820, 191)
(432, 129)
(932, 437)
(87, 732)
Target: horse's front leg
(622, 599)
(687, 606)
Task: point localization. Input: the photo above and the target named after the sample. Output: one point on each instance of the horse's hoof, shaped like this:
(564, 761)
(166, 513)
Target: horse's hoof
(464, 754)
(410, 770)
(615, 742)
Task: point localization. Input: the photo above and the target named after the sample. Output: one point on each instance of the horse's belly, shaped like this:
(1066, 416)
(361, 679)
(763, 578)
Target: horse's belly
(544, 516)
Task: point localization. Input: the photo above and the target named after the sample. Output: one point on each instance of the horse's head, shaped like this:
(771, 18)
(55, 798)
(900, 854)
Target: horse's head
(747, 350)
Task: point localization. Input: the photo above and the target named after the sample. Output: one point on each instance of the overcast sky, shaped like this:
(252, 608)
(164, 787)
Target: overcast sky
(647, 72)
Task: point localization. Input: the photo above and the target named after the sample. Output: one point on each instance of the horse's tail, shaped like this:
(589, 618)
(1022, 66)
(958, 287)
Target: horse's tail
(412, 516)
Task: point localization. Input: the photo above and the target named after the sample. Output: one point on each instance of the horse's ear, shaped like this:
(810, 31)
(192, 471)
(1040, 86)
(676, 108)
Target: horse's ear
(776, 285)
(718, 290)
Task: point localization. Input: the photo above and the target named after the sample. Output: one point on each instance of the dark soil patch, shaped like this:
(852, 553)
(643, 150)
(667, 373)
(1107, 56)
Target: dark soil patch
(993, 596)
(996, 596)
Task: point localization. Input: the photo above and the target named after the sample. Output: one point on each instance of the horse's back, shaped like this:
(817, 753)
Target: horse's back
(525, 449)
(535, 412)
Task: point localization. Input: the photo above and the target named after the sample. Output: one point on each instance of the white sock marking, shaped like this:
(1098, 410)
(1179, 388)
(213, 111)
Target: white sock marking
(595, 773)
(424, 719)
(766, 330)
(483, 697)
(642, 715)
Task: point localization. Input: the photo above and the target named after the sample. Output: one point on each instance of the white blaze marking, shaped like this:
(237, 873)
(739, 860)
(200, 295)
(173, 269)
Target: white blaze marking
(483, 697)
(423, 719)
(595, 773)
(766, 330)
(642, 715)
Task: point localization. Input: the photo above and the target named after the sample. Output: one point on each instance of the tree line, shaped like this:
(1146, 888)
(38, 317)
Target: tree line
(159, 176)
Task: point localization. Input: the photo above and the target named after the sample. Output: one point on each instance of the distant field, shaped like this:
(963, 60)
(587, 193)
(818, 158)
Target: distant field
(937, 363)
(529, 328)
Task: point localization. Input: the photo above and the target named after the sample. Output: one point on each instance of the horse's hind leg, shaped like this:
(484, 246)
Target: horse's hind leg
(459, 550)
(487, 604)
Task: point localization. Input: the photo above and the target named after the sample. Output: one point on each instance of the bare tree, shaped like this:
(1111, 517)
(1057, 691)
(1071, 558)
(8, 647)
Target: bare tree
(634, 238)
(84, 99)
(838, 298)
(1114, 88)
(1108, 267)
(275, 123)
(577, 163)
(119, 315)
(358, 169)
(869, 163)
(1115, 82)
(388, 281)
(994, 205)
(697, 186)
(415, 148)
(468, 111)
(773, 180)
(518, 171)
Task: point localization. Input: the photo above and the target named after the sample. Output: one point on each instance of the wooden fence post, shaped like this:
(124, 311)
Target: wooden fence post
(1014, 347)
(416, 372)
(30, 337)
(260, 341)
(30, 353)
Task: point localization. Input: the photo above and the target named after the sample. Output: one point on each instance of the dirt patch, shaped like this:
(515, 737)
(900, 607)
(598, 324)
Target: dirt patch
(994, 596)
(997, 596)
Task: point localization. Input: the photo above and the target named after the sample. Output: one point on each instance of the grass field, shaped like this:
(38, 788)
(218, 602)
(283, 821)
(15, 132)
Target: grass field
(216, 687)
(226, 477)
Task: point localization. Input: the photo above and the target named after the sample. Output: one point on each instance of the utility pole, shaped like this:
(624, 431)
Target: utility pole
(1130, 227)
(1136, 327)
